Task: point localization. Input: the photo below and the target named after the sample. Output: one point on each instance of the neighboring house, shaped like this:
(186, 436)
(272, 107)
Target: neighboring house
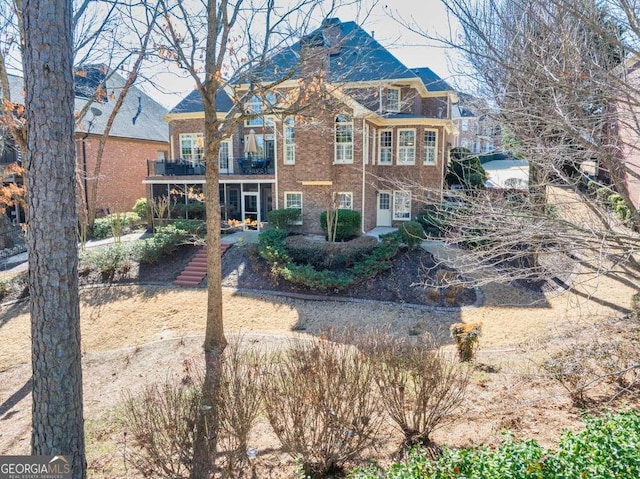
(376, 145)
(138, 133)
(626, 130)
(478, 131)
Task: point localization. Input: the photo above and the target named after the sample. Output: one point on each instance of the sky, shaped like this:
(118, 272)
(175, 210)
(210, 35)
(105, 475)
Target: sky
(411, 49)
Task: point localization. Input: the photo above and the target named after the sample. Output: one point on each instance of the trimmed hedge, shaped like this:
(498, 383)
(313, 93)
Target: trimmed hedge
(326, 255)
(284, 218)
(348, 225)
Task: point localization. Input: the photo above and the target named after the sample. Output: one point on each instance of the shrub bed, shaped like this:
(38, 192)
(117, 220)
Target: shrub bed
(363, 265)
(325, 255)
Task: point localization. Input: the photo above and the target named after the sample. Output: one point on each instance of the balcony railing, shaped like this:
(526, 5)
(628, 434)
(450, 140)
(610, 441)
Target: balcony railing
(236, 166)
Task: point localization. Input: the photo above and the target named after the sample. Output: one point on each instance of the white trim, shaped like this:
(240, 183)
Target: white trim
(365, 142)
(345, 145)
(193, 138)
(346, 194)
(286, 193)
(387, 148)
(408, 149)
(229, 142)
(285, 144)
(397, 193)
(397, 106)
(433, 148)
(374, 144)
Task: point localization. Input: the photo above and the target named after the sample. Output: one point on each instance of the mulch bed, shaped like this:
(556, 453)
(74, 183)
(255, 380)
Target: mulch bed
(402, 283)
(243, 268)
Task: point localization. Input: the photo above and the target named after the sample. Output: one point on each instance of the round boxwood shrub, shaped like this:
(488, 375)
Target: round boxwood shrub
(284, 218)
(348, 224)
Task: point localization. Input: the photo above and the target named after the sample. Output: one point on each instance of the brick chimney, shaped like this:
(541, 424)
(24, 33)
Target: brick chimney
(332, 33)
(314, 55)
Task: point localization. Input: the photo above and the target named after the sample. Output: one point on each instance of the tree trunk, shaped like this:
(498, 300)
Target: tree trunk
(57, 419)
(204, 448)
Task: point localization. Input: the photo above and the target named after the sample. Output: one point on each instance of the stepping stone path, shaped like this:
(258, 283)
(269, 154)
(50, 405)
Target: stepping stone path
(196, 270)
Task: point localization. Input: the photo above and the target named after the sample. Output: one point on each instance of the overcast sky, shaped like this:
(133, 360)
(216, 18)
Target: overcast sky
(411, 49)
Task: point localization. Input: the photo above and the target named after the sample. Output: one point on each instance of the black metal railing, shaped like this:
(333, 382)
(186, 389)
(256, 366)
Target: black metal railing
(236, 166)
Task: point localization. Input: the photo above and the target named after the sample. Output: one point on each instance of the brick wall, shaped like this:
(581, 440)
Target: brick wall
(124, 166)
(315, 154)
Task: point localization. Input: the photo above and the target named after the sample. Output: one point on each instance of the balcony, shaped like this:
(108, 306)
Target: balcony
(238, 166)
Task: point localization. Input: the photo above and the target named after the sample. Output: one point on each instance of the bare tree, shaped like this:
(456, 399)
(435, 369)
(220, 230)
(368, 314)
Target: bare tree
(554, 73)
(227, 45)
(57, 414)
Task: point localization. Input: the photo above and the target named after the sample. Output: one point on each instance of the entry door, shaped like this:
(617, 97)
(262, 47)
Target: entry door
(250, 210)
(384, 209)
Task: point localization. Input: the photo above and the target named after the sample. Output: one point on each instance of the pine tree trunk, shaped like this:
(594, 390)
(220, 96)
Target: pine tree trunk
(57, 416)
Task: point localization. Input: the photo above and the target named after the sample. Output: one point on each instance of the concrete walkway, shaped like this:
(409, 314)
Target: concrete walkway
(18, 262)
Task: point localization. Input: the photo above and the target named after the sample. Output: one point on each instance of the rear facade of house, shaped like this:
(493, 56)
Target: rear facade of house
(377, 142)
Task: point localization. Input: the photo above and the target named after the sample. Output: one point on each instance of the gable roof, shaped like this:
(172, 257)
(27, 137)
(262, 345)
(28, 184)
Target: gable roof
(140, 117)
(192, 103)
(354, 56)
(432, 81)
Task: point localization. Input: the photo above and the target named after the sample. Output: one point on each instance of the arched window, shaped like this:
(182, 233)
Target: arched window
(344, 139)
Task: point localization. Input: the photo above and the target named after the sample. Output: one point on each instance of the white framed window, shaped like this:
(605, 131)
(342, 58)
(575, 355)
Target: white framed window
(289, 135)
(224, 155)
(406, 146)
(385, 151)
(402, 205)
(192, 146)
(293, 199)
(393, 99)
(465, 125)
(430, 147)
(365, 146)
(343, 139)
(344, 200)
(373, 148)
(258, 106)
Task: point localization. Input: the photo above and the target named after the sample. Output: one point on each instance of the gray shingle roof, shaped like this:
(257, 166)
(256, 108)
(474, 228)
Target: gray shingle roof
(432, 81)
(140, 117)
(355, 56)
(192, 103)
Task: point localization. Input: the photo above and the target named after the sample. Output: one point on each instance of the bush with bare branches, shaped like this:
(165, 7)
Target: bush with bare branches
(585, 366)
(161, 420)
(320, 400)
(420, 386)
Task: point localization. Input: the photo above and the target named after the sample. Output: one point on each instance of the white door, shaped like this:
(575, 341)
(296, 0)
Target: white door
(250, 210)
(384, 209)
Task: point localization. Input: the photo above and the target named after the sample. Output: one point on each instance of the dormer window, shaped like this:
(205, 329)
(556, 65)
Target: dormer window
(393, 99)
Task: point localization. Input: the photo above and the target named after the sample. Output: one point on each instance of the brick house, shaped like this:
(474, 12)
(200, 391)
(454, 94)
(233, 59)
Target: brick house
(137, 134)
(626, 133)
(378, 143)
(478, 131)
